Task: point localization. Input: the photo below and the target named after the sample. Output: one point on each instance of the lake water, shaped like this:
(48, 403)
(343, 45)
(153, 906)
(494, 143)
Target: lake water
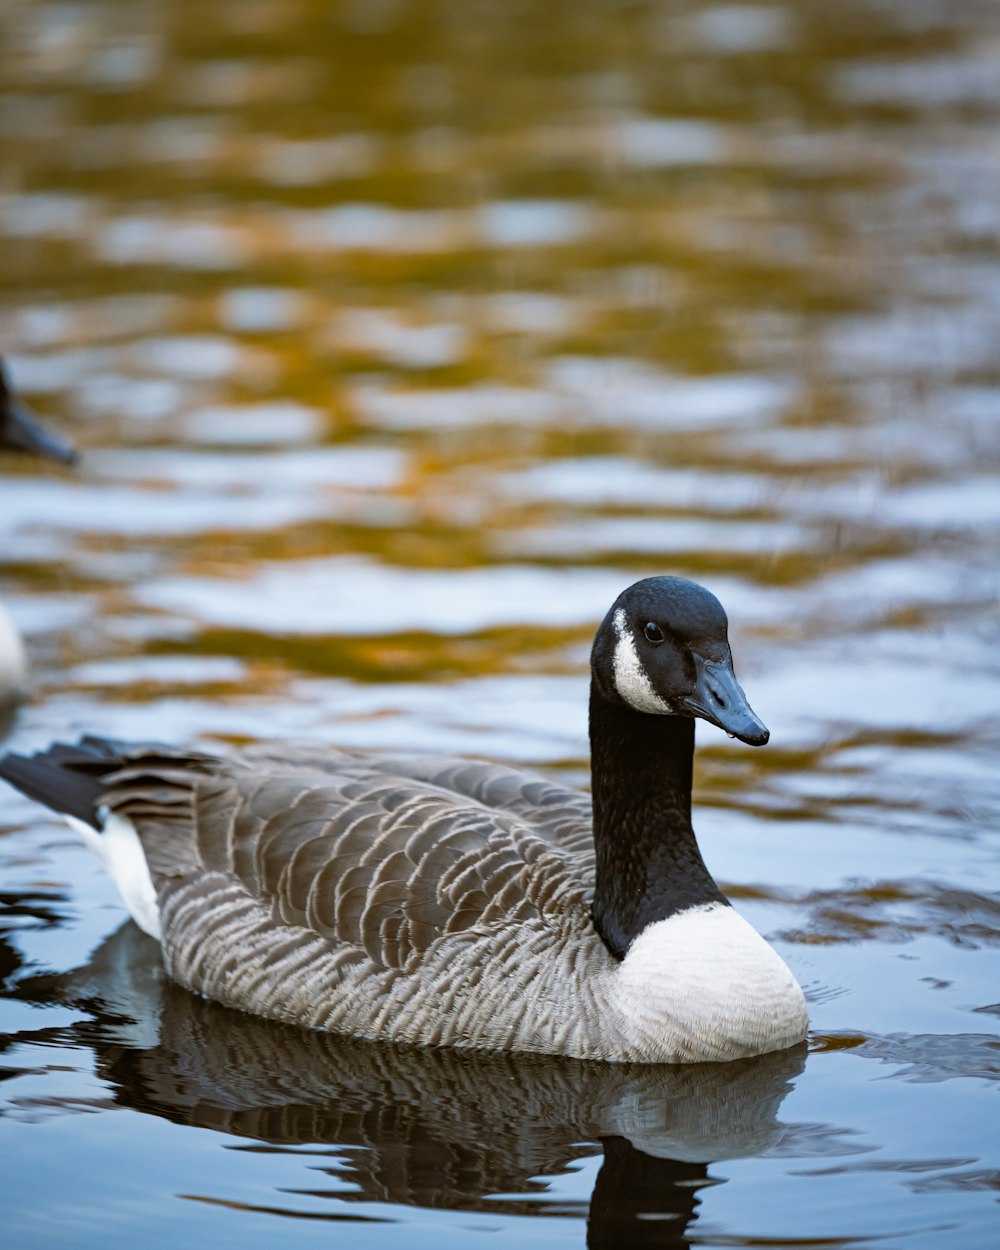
(399, 336)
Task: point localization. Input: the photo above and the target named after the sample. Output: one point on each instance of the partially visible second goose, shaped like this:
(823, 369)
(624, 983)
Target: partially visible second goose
(20, 431)
(454, 902)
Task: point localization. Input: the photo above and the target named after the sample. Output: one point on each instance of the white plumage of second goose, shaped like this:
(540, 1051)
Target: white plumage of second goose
(451, 902)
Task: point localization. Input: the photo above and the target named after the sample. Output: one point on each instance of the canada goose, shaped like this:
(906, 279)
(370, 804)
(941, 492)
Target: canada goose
(20, 431)
(452, 902)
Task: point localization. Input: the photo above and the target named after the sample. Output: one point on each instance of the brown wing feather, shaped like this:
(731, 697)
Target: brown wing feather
(557, 812)
(382, 855)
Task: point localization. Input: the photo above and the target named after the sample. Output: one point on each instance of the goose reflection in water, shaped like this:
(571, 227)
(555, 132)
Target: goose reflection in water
(431, 1128)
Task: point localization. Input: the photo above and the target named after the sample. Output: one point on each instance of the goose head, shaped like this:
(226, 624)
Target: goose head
(20, 429)
(663, 650)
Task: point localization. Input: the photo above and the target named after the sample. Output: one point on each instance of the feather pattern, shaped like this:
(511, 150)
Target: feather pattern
(352, 896)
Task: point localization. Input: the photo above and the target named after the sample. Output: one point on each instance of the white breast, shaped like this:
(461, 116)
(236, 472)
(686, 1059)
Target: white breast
(704, 985)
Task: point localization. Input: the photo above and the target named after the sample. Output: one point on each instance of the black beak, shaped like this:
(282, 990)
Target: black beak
(22, 431)
(718, 698)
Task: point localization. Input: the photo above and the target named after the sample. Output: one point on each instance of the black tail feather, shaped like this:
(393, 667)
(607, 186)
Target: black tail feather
(70, 777)
(66, 778)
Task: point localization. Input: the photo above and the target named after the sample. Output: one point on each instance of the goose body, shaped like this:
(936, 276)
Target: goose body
(451, 902)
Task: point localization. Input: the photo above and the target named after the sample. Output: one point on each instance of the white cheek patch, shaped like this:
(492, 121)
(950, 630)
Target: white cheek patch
(631, 680)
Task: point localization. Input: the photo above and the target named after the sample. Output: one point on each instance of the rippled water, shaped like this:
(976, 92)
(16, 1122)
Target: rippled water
(398, 338)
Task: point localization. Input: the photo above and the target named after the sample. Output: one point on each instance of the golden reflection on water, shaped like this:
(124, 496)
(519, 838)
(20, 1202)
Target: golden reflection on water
(444, 288)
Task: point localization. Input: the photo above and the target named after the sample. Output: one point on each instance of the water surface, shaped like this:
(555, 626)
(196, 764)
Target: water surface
(398, 338)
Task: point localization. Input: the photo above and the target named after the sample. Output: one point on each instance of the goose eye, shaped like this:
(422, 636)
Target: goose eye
(653, 631)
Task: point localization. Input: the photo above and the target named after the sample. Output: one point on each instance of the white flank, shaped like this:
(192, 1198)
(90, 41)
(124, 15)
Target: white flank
(631, 680)
(13, 664)
(118, 848)
(704, 984)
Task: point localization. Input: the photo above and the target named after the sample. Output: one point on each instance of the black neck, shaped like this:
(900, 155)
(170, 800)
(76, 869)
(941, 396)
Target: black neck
(648, 863)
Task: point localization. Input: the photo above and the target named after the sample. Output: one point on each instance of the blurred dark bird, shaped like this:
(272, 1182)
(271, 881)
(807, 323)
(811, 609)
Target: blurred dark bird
(21, 431)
